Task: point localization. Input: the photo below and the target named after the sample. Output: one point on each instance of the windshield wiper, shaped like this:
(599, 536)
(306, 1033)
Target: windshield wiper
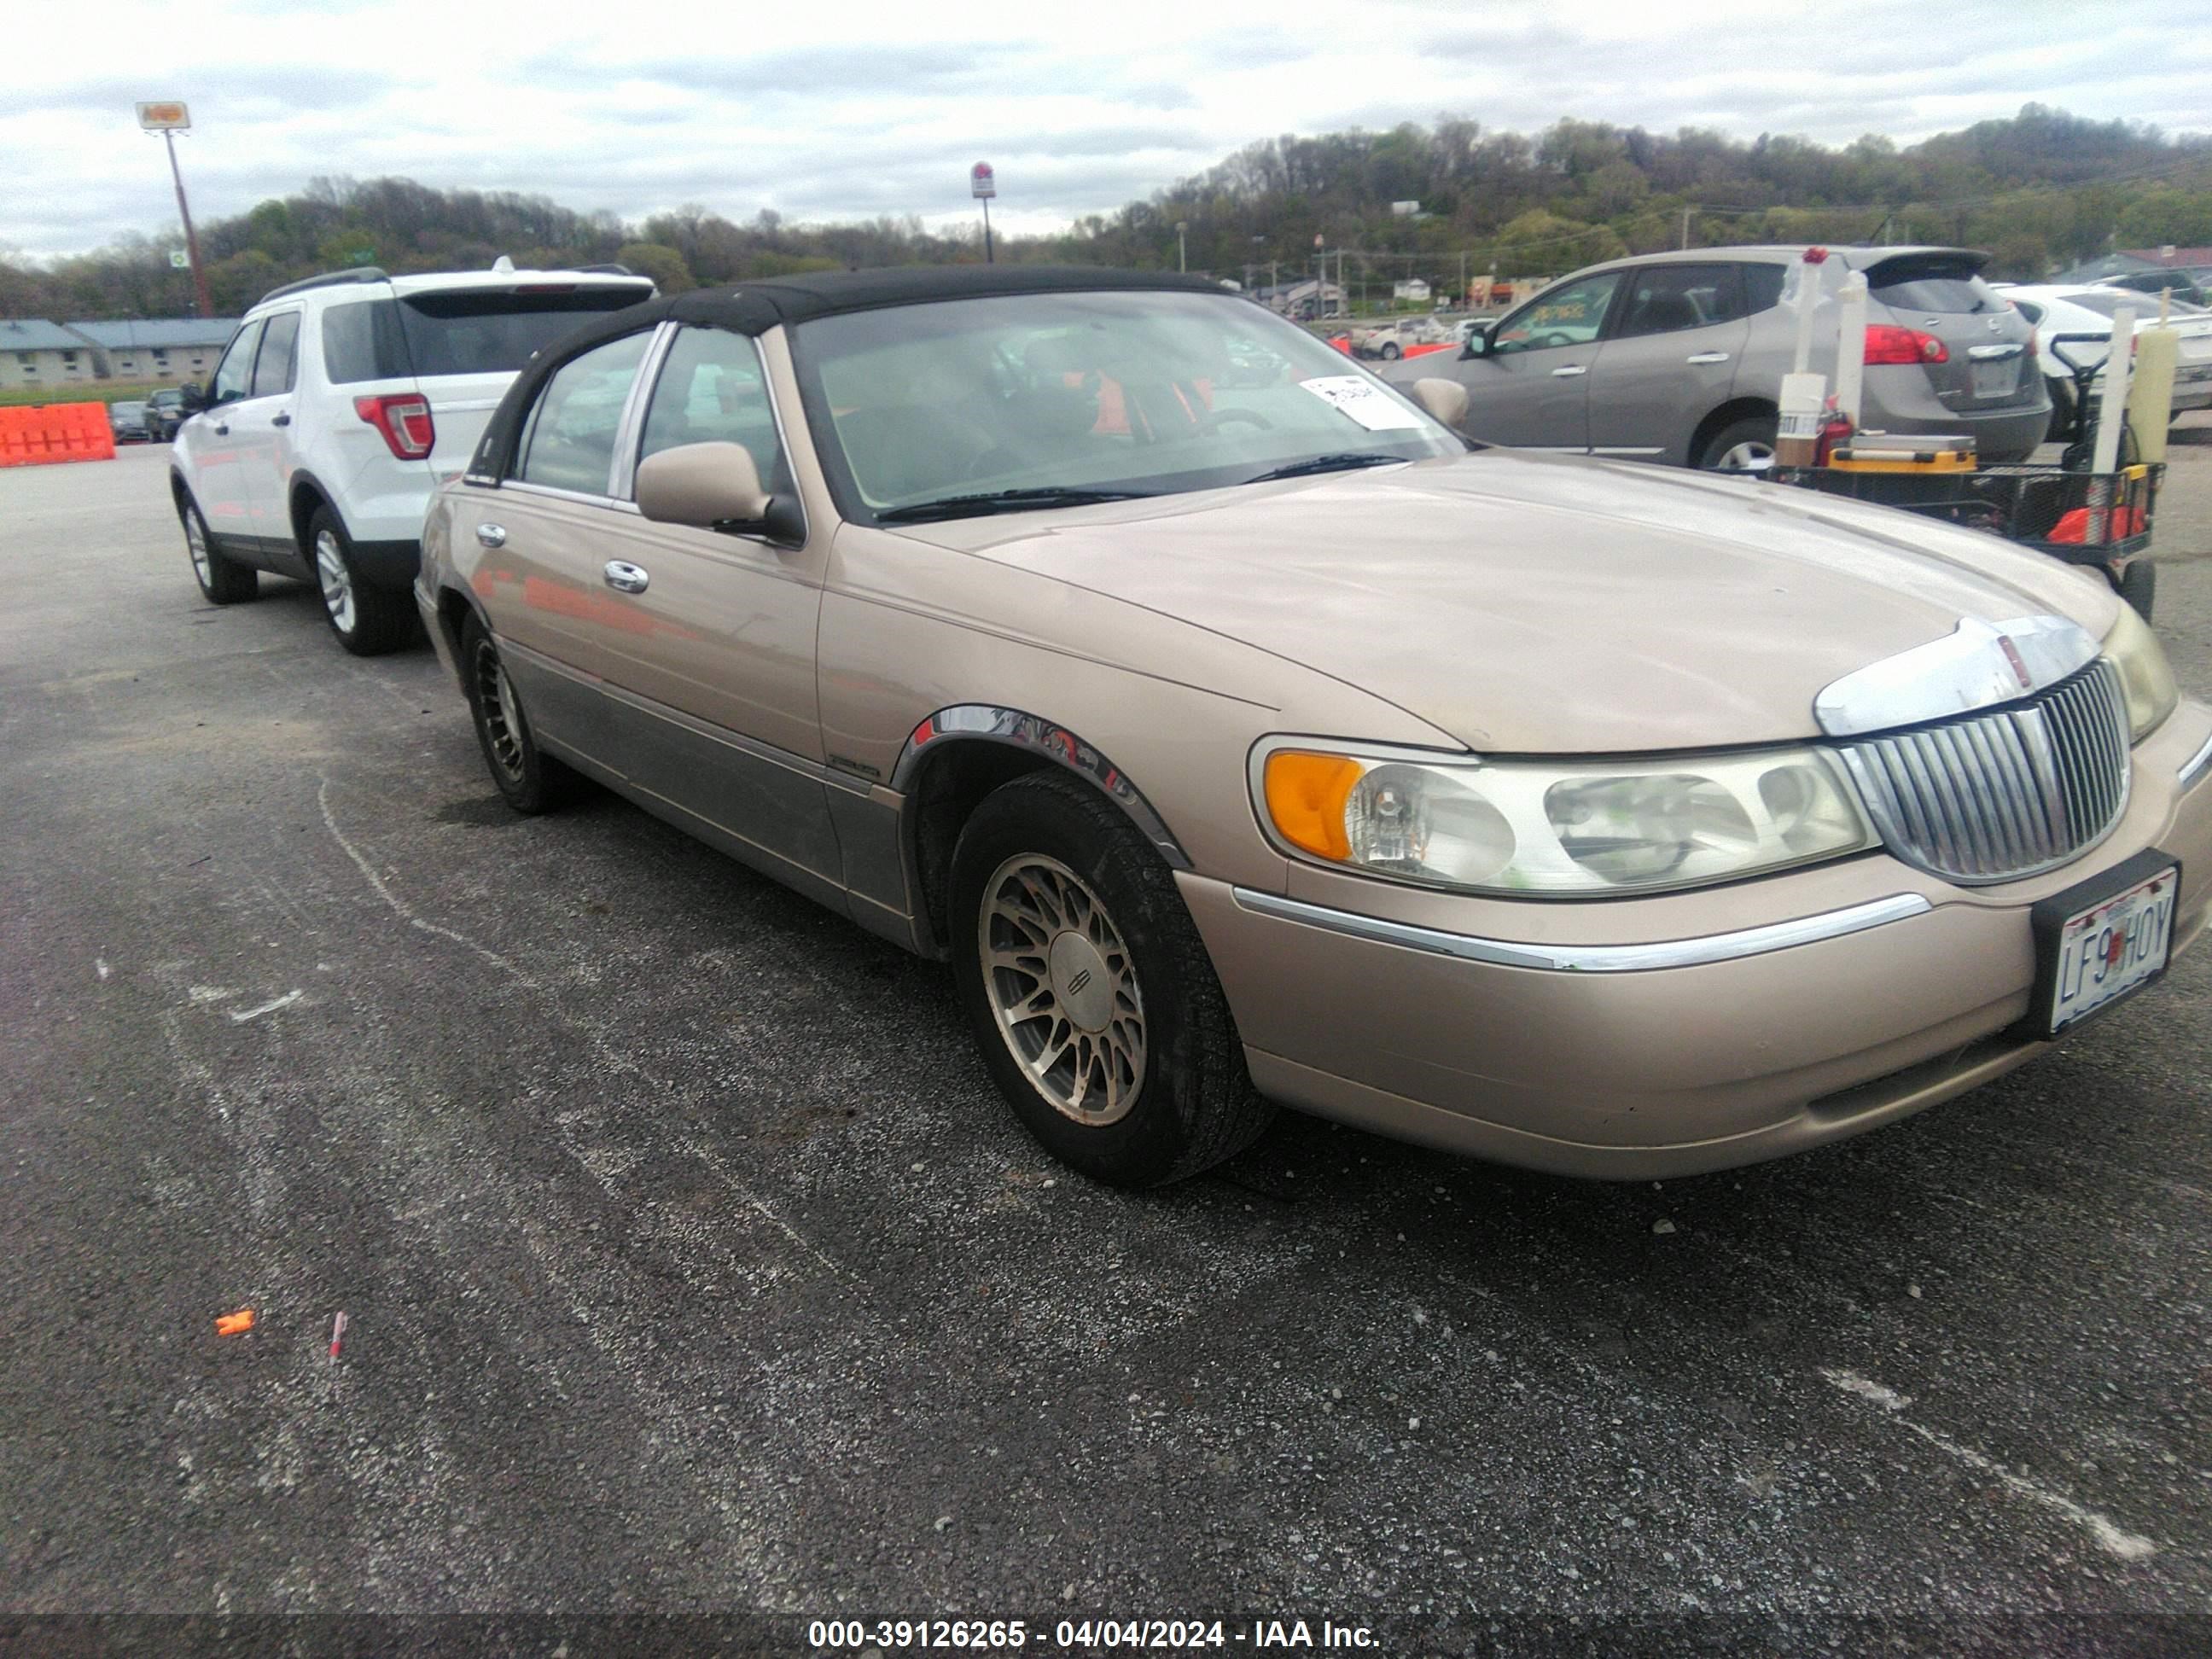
(1344, 462)
(1004, 500)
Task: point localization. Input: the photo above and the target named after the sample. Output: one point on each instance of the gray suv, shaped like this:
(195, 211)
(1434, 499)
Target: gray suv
(1680, 357)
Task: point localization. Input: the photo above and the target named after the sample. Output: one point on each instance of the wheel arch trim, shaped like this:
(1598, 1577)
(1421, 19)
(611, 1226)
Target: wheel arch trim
(979, 722)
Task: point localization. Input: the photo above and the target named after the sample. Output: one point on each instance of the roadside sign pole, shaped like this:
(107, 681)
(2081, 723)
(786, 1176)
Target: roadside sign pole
(983, 185)
(191, 238)
(169, 117)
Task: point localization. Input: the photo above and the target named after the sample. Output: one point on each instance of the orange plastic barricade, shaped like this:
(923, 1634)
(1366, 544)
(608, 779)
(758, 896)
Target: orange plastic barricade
(37, 435)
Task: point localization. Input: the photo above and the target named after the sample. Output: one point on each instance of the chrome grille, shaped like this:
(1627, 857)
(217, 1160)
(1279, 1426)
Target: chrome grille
(2002, 792)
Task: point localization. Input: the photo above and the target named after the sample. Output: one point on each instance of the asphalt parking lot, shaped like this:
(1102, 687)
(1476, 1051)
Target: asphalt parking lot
(690, 1264)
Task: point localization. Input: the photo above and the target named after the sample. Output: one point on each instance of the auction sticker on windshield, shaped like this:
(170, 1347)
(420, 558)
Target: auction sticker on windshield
(1364, 401)
(2099, 942)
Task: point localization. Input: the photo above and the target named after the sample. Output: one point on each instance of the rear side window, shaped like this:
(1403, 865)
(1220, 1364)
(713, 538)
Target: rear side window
(362, 342)
(1762, 287)
(1938, 284)
(1665, 299)
(470, 331)
(280, 350)
(571, 441)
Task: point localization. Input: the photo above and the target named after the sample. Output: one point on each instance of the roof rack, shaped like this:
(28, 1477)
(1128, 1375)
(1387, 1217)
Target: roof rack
(354, 274)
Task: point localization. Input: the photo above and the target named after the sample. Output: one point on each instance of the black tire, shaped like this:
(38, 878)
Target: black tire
(1192, 1105)
(369, 621)
(221, 577)
(1751, 433)
(532, 780)
(2139, 586)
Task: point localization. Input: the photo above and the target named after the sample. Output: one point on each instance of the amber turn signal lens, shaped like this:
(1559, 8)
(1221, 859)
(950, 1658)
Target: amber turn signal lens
(1306, 797)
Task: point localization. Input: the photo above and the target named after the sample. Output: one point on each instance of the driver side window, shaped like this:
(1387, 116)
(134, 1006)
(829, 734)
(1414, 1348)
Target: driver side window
(235, 374)
(1566, 316)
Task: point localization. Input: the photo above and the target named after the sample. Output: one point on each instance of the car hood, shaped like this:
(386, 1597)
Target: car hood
(1525, 604)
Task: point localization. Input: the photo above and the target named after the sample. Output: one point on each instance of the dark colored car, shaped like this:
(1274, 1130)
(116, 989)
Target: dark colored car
(131, 421)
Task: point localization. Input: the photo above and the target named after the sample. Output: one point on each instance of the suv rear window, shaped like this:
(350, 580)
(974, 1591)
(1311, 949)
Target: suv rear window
(465, 333)
(1940, 283)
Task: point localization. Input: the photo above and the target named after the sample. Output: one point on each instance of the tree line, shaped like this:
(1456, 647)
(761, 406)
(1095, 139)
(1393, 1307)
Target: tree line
(2042, 190)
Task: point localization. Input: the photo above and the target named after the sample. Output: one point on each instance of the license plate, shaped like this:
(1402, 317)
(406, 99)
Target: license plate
(1996, 377)
(2101, 942)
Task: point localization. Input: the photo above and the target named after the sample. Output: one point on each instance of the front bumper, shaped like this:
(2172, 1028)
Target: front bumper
(1597, 1063)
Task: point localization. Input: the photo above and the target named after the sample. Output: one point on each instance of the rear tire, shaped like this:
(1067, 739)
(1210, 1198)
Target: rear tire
(1089, 994)
(221, 577)
(532, 780)
(369, 621)
(1390, 353)
(1744, 445)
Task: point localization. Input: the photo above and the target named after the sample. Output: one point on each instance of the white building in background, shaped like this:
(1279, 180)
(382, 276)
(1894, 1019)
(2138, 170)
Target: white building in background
(37, 353)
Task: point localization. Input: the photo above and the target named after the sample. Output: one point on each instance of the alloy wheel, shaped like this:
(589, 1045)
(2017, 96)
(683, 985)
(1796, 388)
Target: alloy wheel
(334, 580)
(1063, 988)
(1752, 455)
(195, 543)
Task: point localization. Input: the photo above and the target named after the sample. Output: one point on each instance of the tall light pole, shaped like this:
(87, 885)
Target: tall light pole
(169, 120)
(1183, 254)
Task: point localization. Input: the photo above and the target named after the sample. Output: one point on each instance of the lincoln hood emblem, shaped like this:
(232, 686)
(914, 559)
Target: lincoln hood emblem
(1977, 666)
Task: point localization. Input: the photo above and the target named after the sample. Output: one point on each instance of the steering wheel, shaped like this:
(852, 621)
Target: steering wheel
(1214, 418)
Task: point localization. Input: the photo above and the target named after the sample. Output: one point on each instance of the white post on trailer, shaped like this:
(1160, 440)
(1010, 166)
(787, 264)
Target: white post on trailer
(1797, 429)
(2111, 413)
(1809, 296)
(1850, 347)
(2112, 406)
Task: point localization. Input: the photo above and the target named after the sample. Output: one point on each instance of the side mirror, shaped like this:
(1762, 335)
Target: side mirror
(192, 397)
(714, 486)
(1478, 341)
(1445, 400)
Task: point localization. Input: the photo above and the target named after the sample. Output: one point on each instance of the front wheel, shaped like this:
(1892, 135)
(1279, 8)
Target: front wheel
(1390, 353)
(222, 579)
(1744, 445)
(2138, 585)
(1089, 992)
(369, 620)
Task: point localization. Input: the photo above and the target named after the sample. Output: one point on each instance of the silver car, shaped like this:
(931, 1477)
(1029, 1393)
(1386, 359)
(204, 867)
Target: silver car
(1679, 357)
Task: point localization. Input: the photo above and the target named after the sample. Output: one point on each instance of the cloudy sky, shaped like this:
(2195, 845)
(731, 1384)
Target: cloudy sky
(834, 111)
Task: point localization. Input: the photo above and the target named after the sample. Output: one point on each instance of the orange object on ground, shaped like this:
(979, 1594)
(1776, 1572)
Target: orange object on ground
(2120, 522)
(36, 434)
(235, 1324)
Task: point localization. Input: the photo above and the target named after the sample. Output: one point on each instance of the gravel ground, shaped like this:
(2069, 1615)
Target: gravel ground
(691, 1266)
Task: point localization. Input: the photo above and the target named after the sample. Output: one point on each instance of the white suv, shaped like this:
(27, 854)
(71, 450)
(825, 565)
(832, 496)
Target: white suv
(337, 407)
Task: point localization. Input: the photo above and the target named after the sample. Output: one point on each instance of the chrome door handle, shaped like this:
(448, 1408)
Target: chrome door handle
(626, 578)
(1570, 370)
(1707, 357)
(491, 535)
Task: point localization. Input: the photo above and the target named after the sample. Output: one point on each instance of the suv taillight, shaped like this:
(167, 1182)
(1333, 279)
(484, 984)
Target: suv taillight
(404, 421)
(1886, 343)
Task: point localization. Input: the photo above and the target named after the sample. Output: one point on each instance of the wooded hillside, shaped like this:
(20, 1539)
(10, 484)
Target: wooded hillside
(2042, 190)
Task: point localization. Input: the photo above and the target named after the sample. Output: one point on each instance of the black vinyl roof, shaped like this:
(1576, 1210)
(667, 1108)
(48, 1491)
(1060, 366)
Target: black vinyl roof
(756, 308)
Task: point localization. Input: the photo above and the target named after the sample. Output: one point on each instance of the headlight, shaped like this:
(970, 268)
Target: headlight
(1529, 826)
(2145, 674)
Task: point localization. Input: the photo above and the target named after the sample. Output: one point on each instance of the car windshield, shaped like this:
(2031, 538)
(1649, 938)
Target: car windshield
(2145, 307)
(1067, 397)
